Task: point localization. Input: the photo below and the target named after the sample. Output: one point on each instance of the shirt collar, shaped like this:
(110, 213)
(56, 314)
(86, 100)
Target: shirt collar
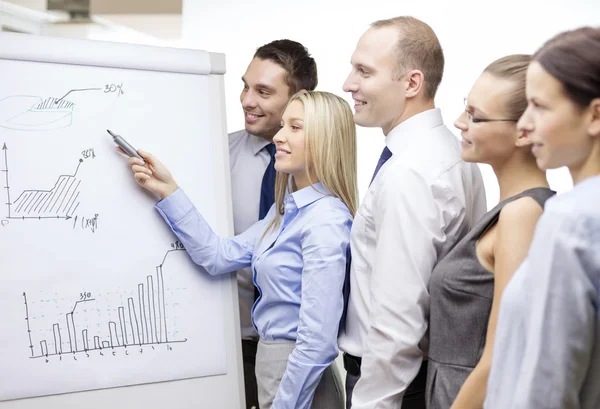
(411, 129)
(308, 195)
(257, 143)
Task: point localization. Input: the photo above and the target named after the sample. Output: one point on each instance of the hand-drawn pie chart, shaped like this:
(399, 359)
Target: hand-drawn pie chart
(33, 113)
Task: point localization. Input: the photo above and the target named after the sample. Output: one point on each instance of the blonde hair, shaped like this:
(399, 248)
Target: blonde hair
(512, 68)
(418, 48)
(330, 146)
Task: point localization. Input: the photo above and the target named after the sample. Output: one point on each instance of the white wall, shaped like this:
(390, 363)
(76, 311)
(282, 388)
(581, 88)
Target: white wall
(472, 33)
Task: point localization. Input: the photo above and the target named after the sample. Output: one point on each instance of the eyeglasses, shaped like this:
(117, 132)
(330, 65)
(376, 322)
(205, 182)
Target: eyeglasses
(475, 120)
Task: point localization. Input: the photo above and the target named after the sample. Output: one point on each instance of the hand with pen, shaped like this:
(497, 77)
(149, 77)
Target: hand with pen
(151, 174)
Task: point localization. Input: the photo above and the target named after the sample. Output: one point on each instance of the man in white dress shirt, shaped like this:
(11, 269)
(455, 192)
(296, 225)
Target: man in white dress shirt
(421, 201)
(277, 71)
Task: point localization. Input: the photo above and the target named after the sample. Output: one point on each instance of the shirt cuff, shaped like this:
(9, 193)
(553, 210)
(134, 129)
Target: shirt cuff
(175, 207)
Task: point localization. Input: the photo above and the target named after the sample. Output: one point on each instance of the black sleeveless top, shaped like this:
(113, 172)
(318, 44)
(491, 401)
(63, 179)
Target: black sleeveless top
(461, 292)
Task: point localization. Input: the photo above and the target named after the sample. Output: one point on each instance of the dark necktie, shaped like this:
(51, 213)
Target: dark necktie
(346, 290)
(385, 155)
(267, 188)
(267, 192)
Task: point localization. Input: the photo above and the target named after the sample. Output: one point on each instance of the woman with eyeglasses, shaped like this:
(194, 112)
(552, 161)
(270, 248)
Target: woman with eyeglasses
(548, 337)
(466, 285)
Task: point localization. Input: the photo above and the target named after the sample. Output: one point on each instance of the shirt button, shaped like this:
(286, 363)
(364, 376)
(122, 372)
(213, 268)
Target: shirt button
(290, 211)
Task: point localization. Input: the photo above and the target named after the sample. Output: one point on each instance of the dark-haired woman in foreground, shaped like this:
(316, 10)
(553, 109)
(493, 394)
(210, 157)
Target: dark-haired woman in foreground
(547, 349)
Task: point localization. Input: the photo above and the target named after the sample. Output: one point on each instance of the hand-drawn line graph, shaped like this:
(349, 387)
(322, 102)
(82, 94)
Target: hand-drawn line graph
(147, 323)
(34, 113)
(60, 202)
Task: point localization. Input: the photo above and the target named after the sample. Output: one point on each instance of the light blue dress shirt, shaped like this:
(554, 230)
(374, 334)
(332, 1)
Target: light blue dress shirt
(299, 269)
(547, 343)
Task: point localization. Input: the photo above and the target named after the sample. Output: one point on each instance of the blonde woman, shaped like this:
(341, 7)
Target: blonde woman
(466, 285)
(297, 252)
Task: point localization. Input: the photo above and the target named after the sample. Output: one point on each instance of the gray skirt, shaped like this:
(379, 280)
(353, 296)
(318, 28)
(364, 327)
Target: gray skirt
(271, 362)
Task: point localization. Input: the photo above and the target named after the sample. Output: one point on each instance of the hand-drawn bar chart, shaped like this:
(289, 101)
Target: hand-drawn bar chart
(143, 321)
(60, 202)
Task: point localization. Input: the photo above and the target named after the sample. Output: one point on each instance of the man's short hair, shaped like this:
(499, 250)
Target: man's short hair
(295, 59)
(418, 48)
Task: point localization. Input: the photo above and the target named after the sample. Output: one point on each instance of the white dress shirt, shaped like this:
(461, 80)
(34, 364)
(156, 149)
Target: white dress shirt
(423, 200)
(248, 162)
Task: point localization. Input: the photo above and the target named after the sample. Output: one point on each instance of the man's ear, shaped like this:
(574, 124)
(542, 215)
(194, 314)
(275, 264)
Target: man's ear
(415, 82)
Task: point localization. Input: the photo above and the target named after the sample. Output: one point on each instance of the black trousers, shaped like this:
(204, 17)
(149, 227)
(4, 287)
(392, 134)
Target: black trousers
(414, 397)
(249, 358)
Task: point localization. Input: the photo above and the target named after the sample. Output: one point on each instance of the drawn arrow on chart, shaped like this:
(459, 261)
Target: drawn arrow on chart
(79, 164)
(40, 217)
(5, 170)
(27, 319)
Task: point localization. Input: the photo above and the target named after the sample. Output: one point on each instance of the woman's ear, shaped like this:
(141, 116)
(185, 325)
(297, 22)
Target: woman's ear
(522, 138)
(594, 127)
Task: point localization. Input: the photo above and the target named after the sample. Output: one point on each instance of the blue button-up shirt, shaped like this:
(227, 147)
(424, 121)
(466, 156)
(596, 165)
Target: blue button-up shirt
(299, 269)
